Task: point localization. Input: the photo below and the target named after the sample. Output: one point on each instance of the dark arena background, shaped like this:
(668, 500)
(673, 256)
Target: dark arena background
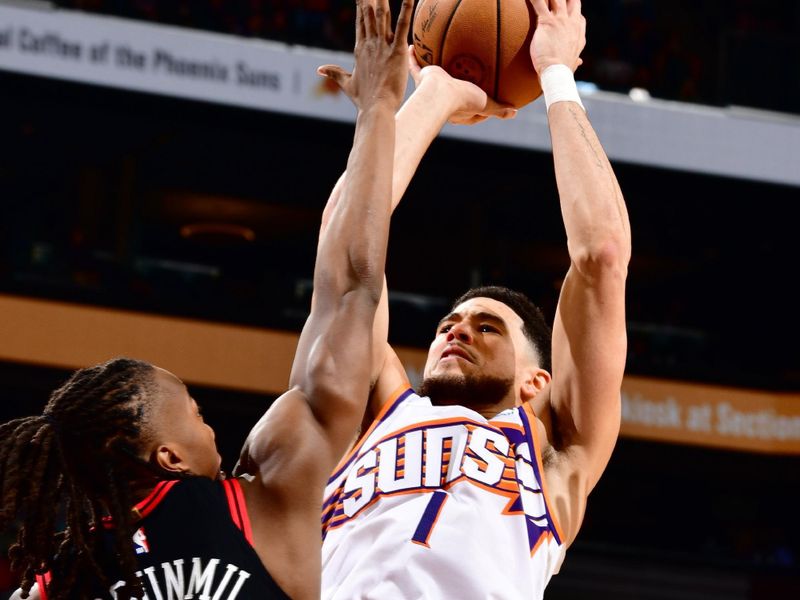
(164, 165)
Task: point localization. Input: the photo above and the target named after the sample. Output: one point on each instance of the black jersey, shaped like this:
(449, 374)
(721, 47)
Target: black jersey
(194, 540)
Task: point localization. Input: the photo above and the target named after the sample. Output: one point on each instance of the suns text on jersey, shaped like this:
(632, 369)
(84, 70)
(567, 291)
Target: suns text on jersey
(437, 455)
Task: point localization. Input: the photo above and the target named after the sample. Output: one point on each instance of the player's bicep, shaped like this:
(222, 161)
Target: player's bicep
(287, 439)
(588, 358)
(333, 366)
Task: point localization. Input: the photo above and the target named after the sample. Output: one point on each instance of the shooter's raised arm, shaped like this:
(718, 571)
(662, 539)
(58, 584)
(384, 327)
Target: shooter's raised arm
(589, 339)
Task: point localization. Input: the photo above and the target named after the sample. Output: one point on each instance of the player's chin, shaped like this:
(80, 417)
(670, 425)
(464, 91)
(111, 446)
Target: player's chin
(453, 364)
(451, 370)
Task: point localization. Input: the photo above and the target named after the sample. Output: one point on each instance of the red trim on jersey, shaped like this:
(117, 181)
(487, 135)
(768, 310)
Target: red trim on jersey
(238, 508)
(146, 506)
(43, 581)
(141, 509)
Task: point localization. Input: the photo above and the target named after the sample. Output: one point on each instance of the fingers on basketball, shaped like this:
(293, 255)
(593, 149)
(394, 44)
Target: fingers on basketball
(484, 43)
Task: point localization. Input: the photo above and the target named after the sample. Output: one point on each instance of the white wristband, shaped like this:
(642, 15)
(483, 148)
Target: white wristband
(558, 85)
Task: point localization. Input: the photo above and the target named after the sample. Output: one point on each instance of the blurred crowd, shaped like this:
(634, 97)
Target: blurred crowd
(701, 51)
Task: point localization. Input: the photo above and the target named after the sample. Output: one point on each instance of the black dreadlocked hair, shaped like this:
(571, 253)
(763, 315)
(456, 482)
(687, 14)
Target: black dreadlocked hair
(534, 325)
(74, 462)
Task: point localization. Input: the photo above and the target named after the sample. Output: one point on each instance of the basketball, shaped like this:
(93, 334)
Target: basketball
(481, 41)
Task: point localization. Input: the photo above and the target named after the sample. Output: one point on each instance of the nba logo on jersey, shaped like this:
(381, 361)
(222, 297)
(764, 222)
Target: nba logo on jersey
(140, 544)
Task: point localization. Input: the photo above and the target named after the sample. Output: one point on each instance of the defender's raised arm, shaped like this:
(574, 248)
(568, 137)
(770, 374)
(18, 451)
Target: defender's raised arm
(292, 450)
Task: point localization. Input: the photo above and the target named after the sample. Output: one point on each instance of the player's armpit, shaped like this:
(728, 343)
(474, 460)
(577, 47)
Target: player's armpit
(392, 377)
(287, 459)
(566, 484)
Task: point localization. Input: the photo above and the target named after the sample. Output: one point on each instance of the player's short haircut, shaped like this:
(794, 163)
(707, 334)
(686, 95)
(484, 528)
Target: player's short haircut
(534, 325)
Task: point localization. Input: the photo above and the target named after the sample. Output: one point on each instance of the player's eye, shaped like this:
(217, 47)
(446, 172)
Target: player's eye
(445, 328)
(484, 328)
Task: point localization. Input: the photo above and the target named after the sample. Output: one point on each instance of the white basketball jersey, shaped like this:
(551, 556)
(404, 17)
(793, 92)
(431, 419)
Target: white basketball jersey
(439, 502)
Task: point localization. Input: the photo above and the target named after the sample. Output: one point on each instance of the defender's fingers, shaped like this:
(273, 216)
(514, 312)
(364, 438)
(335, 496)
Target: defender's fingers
(558, 6)
(334, 72)
(370, 21)
(383, 17)
(573, 6)
(404, 22)
(360, 33)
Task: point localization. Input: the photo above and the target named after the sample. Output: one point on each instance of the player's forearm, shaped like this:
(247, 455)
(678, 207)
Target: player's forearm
(419, 121)
(417, 124)
(594, 212)
(358, 225)
(351, 252)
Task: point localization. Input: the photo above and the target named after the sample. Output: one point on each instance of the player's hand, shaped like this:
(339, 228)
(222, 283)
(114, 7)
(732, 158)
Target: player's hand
(560, 34)
(380, 74)
(471, 104)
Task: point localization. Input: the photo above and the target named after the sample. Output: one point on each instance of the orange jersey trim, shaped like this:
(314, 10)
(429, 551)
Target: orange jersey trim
(389, 405)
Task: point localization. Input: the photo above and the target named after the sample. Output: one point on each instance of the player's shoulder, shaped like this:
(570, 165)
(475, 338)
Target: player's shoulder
(181, 495)
(195, 485)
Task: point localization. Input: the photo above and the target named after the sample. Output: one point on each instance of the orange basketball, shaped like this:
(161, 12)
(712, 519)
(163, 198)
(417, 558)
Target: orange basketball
(486, 42)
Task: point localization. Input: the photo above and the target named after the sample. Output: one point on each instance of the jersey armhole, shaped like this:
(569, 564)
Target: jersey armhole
(530, 415)
(238, 508)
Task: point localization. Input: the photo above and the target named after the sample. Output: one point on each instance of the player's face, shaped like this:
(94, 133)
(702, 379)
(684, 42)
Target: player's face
(480, 337)
(181, 424)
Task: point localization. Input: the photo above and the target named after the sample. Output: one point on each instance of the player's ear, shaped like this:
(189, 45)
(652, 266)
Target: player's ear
(535, 381)
(171, 458)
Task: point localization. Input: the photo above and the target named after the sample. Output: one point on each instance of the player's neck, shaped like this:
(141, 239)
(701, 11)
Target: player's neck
(484, 394)
(487, 410)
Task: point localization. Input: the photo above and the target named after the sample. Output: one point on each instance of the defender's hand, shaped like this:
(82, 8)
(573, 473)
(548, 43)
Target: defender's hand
(380, 74)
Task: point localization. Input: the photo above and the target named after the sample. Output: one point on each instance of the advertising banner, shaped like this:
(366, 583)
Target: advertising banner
(263, 75)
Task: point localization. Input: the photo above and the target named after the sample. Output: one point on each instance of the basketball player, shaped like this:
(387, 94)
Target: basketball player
(474, 487)
(121, 451)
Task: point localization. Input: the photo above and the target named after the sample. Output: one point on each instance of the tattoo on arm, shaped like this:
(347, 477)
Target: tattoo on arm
(597, 157)
(599, 160)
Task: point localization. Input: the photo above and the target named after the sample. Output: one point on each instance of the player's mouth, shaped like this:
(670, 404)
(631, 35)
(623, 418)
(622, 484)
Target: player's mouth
(456, 352)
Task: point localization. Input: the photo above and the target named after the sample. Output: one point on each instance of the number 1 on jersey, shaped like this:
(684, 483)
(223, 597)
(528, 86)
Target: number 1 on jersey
(429, 518)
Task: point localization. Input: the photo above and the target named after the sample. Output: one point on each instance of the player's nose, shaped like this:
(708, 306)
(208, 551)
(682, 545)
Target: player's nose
(460, 332)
